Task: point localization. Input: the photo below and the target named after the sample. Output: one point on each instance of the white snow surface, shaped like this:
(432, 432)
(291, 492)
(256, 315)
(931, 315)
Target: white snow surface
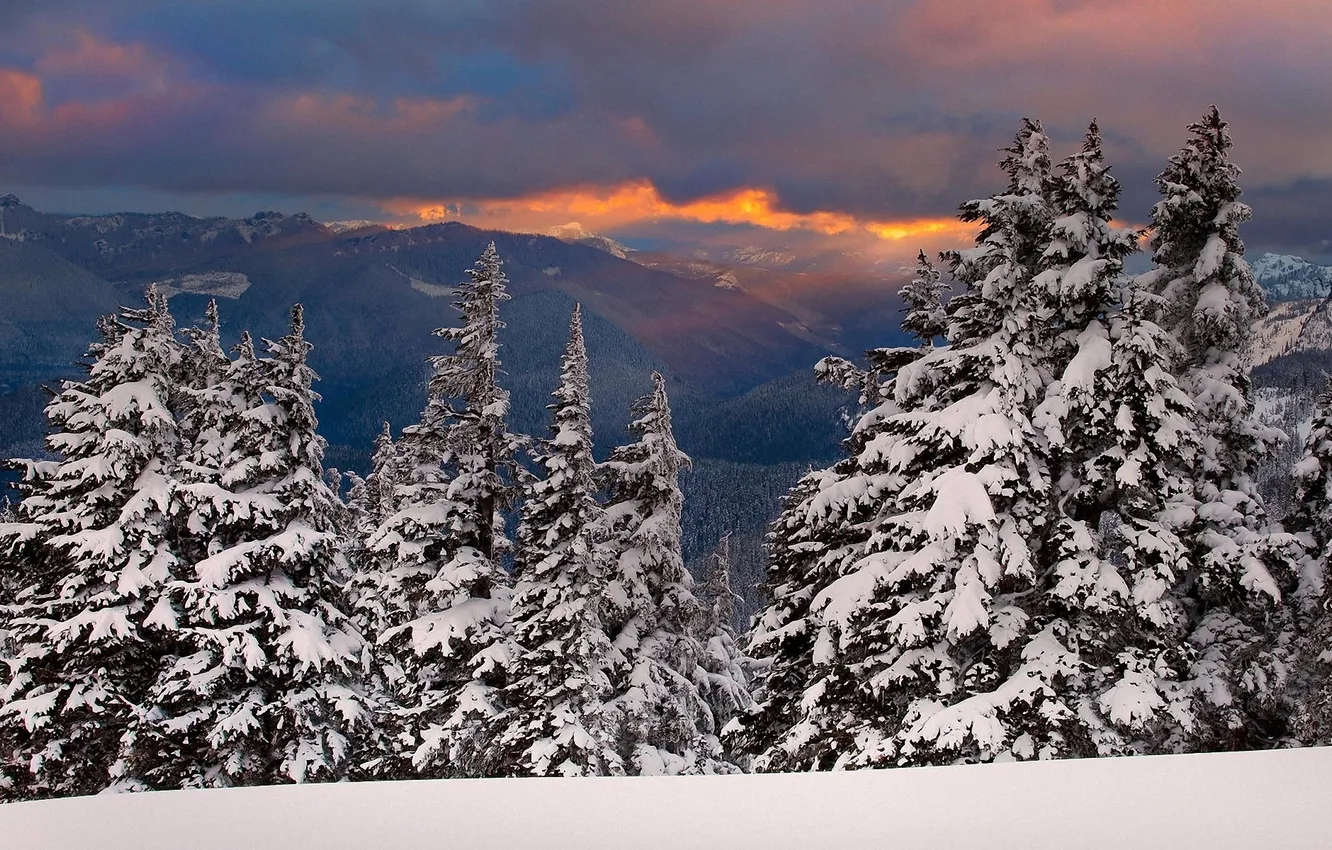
(220, 284)
(1216, 801)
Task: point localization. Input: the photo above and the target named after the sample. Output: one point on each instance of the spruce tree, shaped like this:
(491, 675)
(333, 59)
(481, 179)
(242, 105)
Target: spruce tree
(267, 692)
(432, 584)
(1212, 298)
(1311, 520)
(725, 665)
(717, 595)
(553, 721)
(666, 721)
(922, 643)
(923, 295)
(91, 626)
(1242, 569)
(1120, 439)
(824, 524)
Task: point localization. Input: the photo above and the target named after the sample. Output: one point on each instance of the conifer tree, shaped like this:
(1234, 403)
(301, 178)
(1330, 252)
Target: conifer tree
(203, 365)
(725, 664)
(553, 721)
(479, 439)
(371, 501)
(433, 585)
(824, 523)
(377, 500)
(267, 691)
(1212, 298)
(921, 645)
(666, 721)
(1121, 437)
(1243, 570)
(925, 319)
(91, 625)
(1311, 521)
(718, 595)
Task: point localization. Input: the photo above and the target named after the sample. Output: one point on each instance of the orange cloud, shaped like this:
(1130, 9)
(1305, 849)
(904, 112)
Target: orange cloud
(89, 55)
(20, 98)
(606, 208)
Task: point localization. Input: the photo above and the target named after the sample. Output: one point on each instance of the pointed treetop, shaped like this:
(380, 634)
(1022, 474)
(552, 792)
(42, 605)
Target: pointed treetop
(211, 322)
(297, 321)
(245, 348)
(925, 318)
(1213, 129)
(486, 271)
(1027, 161)
(1084, 183)
(1092, 141)
(574, 361)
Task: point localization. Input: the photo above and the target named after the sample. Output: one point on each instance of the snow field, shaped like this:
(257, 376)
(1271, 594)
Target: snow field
(1215, 801)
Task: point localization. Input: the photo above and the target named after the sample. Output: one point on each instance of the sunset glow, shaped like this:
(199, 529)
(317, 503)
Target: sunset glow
(605, 209)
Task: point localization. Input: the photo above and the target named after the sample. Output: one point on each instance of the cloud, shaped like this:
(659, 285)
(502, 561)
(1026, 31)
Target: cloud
(20, 99)
(628, 207)
(871, 111)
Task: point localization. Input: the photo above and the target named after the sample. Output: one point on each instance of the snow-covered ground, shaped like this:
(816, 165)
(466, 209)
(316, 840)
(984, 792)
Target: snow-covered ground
(1232, 800)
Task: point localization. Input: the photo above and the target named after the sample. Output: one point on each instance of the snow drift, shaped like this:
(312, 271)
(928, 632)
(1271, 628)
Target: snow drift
(1240, 800)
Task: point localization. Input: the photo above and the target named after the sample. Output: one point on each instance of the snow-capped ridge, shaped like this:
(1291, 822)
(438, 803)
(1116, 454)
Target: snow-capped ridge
(574, 233)
(753, 255)
(357, 224)
(1288, 278)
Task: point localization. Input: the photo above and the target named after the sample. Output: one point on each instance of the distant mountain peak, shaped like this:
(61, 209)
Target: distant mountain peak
(10, 200)
(356, 224)
(1288, 278)
(753, 255)
(574, 233)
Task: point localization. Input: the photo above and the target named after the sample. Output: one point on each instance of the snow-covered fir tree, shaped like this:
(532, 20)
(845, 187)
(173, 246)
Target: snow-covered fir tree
(374, 498)
(922, 647)
(820, 531)
(266, 690)
(1122, 443)
(432, 587)
(203, 367)
(371, 501)
(1211, 301)
(1211, 296)
(553, 720)
(669, 705)
(1311, 521)
(717, 593)
(91, 626)
(727, 666)
(923, 295)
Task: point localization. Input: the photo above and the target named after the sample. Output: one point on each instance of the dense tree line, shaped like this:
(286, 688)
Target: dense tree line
(190, 602)
(1043, 539)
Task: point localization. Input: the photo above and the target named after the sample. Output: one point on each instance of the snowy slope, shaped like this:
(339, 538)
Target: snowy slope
(1232, 800)
(1279, 331)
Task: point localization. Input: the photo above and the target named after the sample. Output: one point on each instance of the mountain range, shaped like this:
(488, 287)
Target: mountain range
(734, 331)
(737, 358)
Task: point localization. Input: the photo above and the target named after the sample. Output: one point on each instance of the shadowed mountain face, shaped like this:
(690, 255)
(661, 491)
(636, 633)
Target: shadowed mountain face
(370, 286)
(737, 365)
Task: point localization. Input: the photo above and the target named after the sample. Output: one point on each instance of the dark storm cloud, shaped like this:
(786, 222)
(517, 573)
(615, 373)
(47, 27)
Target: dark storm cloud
(875, 109)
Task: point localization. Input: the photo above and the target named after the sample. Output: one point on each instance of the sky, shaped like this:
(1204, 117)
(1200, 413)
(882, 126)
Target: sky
(795, 124)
